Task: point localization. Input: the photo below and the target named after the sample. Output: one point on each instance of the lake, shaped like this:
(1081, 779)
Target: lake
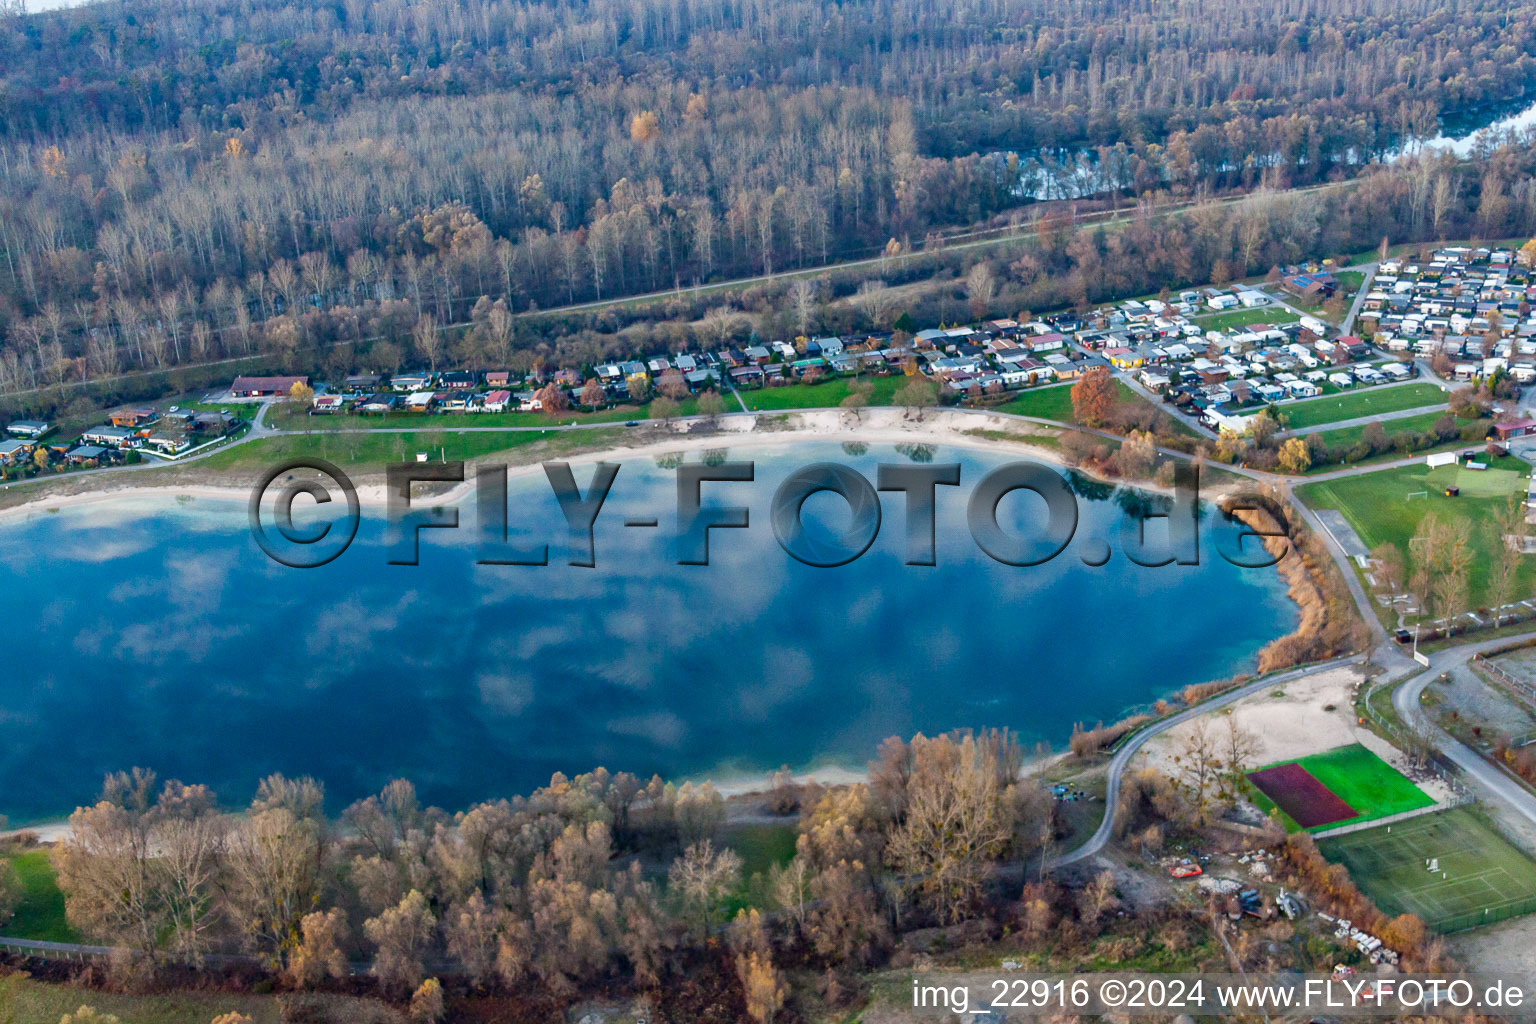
(154, 632)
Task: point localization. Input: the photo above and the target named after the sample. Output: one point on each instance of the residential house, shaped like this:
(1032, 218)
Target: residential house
(411, 382)
(108, 437)
(14, 452)
(167, 444)
(30, 429)
(134, 418)
(1310, 286)
(89, 455)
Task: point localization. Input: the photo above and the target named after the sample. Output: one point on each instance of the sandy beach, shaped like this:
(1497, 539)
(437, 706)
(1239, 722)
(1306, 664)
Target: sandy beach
(947, 427)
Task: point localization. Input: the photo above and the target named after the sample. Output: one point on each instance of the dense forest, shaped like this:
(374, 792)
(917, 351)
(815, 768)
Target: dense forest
(186, 182)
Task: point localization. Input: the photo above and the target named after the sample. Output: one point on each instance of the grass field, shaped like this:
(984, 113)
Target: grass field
(1355, 404)
(1349, 282)
(1482, 877)
(1361, 779)
(1244, 318)
(41, 912)
(377, 449)
(1054, 402)
(1378, 507)
(1346, 437)
(826, 395)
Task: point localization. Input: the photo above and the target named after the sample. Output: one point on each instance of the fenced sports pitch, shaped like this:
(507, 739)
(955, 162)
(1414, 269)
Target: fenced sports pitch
(1478, 876)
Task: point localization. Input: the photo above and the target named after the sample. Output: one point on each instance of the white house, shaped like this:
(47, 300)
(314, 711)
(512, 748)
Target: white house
(1252, 299)
(1221, 302)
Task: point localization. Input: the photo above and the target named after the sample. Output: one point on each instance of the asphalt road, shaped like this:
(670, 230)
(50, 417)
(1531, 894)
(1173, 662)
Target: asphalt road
(1489, 779)
(1122, 757)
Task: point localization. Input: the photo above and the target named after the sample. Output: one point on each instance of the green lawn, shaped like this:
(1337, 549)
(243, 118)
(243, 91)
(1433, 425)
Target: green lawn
(1244, 318)
(826, 395)
(1481, 879)
(1349, 282)
(1054, 402)
(762, 846)
(1347, 437)
(377, 449)
(41, 913)
(1379, 508)
(1359, 778)
(1355, 404)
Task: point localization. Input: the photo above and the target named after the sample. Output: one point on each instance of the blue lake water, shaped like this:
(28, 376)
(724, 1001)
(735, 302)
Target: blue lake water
(156, 633)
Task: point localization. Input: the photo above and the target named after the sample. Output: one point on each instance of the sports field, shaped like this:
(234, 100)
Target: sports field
(1480, 879)
(1347, 785)
(1386, 507)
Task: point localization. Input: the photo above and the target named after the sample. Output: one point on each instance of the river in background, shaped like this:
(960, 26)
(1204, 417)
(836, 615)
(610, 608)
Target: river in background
(154, 633)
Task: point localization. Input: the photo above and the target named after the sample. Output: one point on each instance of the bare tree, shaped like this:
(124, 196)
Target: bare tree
(702, 876)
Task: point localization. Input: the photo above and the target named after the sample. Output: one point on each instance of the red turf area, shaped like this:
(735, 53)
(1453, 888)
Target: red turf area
(1298, 793)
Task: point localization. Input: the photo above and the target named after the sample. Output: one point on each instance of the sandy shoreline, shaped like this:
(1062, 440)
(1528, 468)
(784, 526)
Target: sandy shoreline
(875, 426)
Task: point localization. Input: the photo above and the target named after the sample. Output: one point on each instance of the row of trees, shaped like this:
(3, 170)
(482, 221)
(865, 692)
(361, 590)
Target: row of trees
(600, 876)
(1443, 554)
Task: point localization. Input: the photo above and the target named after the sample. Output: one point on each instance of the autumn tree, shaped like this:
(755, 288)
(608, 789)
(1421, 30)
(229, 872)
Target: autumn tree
(1093, 397)
(317, 955)
(915, 396)
(858, 396)
(956, 822)
(273, 865)
(1097, 898)
(1137, 455)
(1504, 540)
(428, 341)
(761, 984)
(592, 394)
(711, 404)
(1294, 457)
(701, 877)
(672, 385)
(142, 870)
(553, 399)
(1197, 765)
(401, 935)
(639, 387)
(980, 288)
(427, 1002)
(645, 127)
